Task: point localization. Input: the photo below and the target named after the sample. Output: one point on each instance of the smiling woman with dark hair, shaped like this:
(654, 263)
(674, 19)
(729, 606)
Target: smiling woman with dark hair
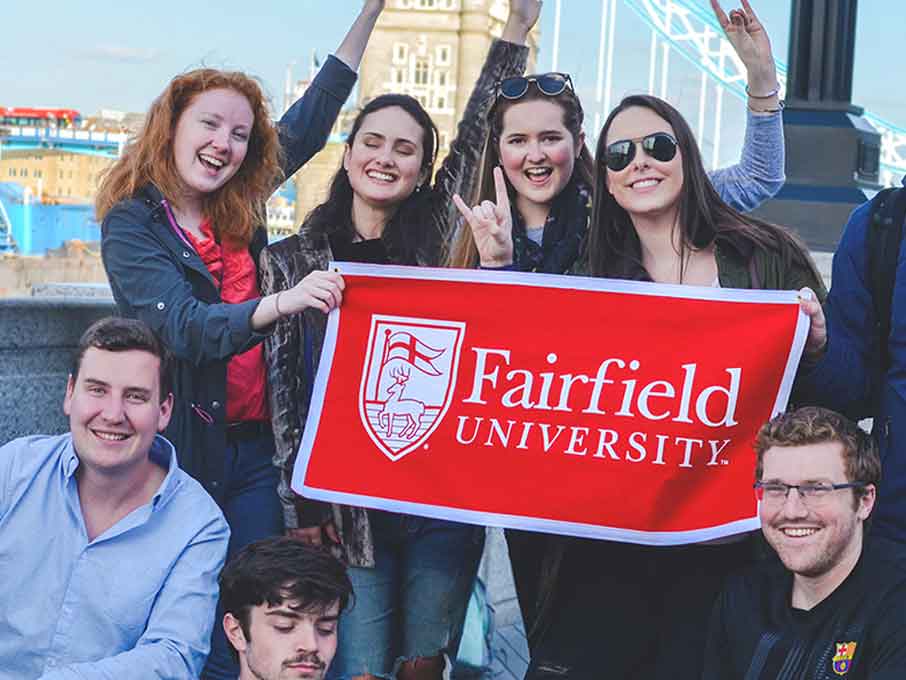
(412, 575)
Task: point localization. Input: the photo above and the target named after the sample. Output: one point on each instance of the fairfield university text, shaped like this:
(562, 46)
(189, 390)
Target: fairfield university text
(610, 391)
(627, 412)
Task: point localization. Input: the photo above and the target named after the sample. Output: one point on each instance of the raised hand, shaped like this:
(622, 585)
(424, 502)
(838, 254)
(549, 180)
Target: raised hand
(491, 224)
(750, 40)
(375, 6)
(321, 290)
(523, 16)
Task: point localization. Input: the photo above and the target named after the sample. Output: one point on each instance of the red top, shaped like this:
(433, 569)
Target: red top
(234, 271)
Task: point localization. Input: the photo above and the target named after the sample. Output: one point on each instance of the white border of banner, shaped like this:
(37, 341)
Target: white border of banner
(543, 281)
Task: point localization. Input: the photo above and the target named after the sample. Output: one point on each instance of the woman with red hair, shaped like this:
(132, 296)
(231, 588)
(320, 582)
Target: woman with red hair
(182, 213)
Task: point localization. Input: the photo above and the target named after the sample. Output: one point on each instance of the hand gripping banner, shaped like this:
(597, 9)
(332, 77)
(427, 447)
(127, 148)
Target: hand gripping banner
(591, 407)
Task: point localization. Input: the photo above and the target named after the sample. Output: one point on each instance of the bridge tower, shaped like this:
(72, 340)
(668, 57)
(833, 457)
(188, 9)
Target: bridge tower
(832, 152)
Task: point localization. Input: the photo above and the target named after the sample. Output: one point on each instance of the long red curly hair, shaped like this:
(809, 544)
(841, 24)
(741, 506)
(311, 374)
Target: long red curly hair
(236, 208)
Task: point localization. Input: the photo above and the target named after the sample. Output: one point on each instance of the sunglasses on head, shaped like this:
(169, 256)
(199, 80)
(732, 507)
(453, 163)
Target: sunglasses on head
(660, 146)
(550, 84)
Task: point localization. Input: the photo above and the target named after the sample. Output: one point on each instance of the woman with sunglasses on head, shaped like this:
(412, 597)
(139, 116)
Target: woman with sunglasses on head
(537, 138)
(182, 214)
(412, 576)
(543, 203)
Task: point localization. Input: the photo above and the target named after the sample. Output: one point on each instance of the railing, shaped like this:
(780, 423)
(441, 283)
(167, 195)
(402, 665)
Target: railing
(109, 143)
(690, 28)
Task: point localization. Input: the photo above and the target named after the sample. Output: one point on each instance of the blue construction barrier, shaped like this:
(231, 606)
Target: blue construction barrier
(37, 228)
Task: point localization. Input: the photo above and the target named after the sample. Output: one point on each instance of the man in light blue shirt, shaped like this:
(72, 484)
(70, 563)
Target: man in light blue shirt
(109, 553)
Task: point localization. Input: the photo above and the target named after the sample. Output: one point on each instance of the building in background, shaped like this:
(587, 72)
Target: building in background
(430, 49)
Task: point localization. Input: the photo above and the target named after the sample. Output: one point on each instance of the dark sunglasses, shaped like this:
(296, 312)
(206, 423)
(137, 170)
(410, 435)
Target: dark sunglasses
(550, 84)
(660, 146)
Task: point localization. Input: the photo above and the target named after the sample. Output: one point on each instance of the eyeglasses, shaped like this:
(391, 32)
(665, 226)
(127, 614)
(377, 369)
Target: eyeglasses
(812, 493)
(660, 146)
(550, 84)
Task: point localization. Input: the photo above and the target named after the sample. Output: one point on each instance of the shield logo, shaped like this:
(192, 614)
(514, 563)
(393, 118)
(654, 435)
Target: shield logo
(843, 659)
(408, 380)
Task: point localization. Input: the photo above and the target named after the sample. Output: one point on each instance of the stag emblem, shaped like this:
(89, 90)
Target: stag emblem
(411, 410)
(408, 380)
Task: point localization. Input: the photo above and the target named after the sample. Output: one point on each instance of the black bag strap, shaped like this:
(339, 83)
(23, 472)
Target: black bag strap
(884, 237)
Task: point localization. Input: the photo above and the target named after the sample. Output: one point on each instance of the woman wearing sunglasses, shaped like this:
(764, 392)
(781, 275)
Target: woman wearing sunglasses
(532, 214)
(657, 217)
(537, 139)
(412, 576)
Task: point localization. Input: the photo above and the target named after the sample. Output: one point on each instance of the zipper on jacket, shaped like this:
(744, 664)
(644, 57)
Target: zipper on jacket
(204, 415)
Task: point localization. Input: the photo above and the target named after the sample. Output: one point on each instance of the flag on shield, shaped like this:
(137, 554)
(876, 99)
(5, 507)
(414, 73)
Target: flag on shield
(405, 346)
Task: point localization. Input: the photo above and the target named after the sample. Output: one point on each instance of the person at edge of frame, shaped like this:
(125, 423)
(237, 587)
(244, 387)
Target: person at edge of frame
(109, 551)
(182, 215)
(832, 603)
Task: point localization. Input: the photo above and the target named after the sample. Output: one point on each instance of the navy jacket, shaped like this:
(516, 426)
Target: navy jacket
(155, 277)
(844, 379)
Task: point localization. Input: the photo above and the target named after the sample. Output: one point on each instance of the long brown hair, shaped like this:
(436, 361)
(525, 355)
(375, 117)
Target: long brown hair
(463, 252)
(409, 236)
(614, 249)
(236, 208)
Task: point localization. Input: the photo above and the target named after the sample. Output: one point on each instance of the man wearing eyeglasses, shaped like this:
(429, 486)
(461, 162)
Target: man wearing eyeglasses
(834, 605)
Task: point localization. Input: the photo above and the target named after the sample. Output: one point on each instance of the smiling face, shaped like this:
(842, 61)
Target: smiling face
(211, 140)
(384, 160)
(646, 186)
(537, 152)
(285, 642)
(815, 538)
(115, 410)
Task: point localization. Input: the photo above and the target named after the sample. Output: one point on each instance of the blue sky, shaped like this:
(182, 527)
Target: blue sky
(120, 54)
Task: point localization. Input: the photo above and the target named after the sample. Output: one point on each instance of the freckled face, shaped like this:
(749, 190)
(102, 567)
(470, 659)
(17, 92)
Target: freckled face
(384, 160)
(211, 140)
(537, 151)
(646, 186)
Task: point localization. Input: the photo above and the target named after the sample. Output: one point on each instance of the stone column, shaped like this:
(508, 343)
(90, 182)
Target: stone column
(832, 152)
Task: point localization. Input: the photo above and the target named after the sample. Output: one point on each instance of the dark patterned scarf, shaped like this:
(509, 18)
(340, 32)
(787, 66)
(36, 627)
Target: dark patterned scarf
(564, 231)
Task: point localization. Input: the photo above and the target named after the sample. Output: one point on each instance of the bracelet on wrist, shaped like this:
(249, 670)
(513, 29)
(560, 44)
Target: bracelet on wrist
(777, 109)
(277, 303)
(769, 95)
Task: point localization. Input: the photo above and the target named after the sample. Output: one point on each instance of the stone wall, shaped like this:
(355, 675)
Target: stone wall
(38, 336)
(75, 262)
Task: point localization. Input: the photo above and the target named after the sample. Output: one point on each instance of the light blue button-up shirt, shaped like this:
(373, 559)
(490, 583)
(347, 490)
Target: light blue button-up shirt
(136, 602)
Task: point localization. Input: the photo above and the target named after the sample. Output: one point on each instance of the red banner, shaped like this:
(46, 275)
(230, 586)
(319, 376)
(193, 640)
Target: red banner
(590, 407)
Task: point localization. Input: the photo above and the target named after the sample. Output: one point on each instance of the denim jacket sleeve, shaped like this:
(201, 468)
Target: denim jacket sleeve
(306, 125)
(458, 173)
(150, 285)
(843, 378)
(759, 175)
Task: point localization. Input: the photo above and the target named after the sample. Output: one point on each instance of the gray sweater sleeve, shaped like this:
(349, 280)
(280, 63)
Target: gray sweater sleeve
(760, 171)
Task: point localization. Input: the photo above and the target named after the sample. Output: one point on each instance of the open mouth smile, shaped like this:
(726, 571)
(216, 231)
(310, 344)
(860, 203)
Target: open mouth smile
(210, 162)
(799, 532)
(538, 175)
(643, 184)
(380, 176)
(110, 436)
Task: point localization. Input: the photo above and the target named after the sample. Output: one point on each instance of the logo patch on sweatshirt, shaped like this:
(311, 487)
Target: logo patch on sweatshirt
(843, 659)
